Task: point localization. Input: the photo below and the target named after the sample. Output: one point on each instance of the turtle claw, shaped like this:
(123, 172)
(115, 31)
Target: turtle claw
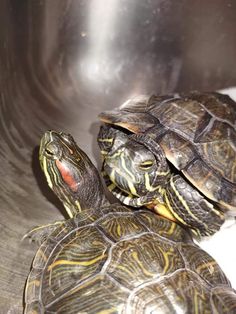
(40, 233)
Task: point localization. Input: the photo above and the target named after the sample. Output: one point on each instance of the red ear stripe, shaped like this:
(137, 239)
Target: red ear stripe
(66, 175)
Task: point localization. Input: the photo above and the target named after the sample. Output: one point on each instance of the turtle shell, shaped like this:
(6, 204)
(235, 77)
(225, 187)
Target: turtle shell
(115, 260)
(197, 132)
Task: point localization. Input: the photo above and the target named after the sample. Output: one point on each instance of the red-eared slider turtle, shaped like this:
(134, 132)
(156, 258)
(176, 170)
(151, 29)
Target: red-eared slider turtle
(110, 259)
(183, 155)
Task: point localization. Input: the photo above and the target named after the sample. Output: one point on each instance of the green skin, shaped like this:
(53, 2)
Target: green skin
(137, 173)
(68, 178)
(112, 259)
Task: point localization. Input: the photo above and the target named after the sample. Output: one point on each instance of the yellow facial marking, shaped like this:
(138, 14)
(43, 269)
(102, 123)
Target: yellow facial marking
(69, 149)
(45, 169)
(162, 173)
(117, 154)
(126, 169)
(103, 152)
(132, 189)
(105, 140)
(147, 183)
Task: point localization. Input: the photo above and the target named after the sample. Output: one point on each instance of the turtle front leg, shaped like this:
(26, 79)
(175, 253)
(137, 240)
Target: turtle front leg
(190, 208)
(40, 233)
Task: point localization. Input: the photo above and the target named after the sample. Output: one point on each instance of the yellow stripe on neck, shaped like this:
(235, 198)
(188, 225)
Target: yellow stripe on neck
(69, 212)
(45, 169)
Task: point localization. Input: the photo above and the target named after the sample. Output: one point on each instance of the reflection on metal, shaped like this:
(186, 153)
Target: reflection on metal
(62, 63)
(98, 65)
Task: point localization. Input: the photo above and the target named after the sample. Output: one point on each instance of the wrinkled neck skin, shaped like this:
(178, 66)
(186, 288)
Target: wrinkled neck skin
(88, 192)
(91, 193)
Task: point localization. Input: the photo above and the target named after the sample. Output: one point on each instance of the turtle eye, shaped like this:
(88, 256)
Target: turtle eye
(51, 151)
(147, 164)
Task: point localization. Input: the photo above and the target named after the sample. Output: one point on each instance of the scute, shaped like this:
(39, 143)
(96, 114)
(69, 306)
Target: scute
(219, 105)
(203, 265)
(169, 294)
(98, 295)
(218, 148)
(71, 262)
(177, 150)
(181, 115)
(119, 227)
(164, 227)
(229, 297)
(202, 123)
(142, 259)
(121, 261)
(32, 292)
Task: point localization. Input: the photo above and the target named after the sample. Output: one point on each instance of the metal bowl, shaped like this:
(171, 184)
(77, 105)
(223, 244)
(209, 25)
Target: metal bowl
(62, 62)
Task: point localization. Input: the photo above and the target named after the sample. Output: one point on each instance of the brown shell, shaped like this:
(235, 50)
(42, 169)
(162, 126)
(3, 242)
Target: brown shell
(197, 132)
(115, 260)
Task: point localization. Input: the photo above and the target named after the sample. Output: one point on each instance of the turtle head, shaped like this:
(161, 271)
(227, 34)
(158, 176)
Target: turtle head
(70, 173)
(137, 169)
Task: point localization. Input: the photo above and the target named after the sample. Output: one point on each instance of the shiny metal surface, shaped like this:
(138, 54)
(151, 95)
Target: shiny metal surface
(62, 62)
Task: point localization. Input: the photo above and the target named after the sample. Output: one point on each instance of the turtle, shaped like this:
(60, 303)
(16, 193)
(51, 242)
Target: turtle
(110, 258)
(178, 150)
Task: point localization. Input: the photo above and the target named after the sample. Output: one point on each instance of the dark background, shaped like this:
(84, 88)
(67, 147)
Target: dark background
(62, 62)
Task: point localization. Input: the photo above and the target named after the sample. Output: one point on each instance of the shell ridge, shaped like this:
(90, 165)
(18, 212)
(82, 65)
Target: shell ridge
(204, 128)
(218, 118)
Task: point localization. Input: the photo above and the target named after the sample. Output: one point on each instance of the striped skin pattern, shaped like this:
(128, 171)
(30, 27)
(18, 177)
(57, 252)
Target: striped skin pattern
(67, 170)
(196, 133)
(115, 260)
(136, 177)
(108, 258)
